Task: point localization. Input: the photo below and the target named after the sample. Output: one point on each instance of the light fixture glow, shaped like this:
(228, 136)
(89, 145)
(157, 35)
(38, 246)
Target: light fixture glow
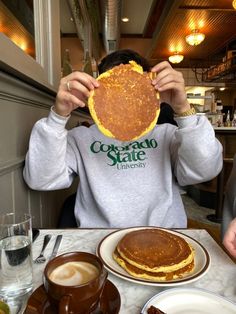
(125, 19)
(176, 58)
(234, 4)
(222, 88)
(195, 38)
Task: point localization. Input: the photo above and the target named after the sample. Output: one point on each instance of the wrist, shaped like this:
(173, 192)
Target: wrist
(62, 113)
(189, 110)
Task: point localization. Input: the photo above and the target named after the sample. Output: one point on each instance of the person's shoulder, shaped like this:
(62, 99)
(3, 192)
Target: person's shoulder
(165, 130)
(165, 126)
(82, 130)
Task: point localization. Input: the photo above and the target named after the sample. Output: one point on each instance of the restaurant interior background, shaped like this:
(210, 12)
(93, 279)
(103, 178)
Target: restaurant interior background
(40, 40)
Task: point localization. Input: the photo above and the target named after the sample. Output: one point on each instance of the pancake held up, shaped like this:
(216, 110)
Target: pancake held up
(154, 254)
(125, 106)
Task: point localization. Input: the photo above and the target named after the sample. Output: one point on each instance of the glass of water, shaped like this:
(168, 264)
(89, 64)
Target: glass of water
(16, 269)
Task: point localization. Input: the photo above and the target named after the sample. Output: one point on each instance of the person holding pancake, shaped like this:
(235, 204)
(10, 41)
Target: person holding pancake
(128, 165)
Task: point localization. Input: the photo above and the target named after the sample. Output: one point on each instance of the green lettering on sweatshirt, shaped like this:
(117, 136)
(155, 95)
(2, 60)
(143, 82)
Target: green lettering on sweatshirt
(134, 152)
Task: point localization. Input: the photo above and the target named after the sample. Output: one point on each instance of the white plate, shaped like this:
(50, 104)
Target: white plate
(108, 245)
(190, 301)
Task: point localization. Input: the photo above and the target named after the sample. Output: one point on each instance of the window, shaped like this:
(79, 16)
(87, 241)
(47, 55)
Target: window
(30, 39)
(17, 23)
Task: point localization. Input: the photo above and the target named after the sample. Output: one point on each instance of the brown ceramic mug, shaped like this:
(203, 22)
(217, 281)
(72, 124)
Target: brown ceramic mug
(74, 282)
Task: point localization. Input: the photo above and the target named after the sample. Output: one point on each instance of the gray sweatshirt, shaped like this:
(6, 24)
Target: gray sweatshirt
(124, 184)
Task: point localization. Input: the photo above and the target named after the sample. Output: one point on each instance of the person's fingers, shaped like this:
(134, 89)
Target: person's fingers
(69, 99)
(229, 241)
(84, 78)
(168, 75)
(164, 79)
(77, 86)
(167, 86)
(161, 66)
(230, 247)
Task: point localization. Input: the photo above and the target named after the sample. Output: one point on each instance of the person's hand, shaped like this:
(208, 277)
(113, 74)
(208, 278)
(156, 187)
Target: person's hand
(229, 240)
(73, 92)
(170, 85)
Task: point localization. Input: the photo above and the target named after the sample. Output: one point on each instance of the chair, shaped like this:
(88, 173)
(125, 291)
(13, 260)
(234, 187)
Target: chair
(67, 217)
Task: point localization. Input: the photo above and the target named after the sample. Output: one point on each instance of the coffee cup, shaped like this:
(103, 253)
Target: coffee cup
(74, 282)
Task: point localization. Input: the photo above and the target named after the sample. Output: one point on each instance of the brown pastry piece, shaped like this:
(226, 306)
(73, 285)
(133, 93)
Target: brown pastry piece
(154, 310)
(125, 105)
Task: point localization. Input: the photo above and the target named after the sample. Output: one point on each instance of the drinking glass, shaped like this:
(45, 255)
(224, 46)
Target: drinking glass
(16, 269)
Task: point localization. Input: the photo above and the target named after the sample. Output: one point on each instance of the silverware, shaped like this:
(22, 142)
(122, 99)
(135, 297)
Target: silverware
(41, 259)
(56, 246)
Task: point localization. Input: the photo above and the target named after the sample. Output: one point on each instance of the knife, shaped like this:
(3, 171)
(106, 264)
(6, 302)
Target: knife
(56, 246)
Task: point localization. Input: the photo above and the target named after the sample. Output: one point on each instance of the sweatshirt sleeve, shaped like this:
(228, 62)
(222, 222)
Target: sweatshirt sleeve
(196, 152)
(46, 164)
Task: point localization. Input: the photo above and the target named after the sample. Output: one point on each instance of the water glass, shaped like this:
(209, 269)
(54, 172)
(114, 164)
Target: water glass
(16, 268)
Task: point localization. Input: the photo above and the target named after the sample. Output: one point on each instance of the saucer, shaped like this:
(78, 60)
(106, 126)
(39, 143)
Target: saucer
(110, 301)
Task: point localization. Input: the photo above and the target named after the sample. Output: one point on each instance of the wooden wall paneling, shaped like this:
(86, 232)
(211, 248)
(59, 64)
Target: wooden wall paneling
(6, 201)
(21, 105)
(20, 192)
(34, 201)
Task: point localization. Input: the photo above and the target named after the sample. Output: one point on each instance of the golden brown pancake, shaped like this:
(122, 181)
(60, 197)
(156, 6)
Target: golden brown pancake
(154, 276)
(154, 254)
(125, 105)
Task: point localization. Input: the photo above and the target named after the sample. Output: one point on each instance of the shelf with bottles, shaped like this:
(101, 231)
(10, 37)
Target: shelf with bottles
(199, 97)
(233, 122)
(66, 64)
(226, 70)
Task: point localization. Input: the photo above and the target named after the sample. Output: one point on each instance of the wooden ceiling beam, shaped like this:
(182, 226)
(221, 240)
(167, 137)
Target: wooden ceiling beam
(167, 14)
(153, 17)
(205, 8)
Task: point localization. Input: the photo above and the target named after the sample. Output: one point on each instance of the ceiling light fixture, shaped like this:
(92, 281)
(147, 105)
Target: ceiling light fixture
(195, 38)
(234, 4)
(125, 19)
(176, 57)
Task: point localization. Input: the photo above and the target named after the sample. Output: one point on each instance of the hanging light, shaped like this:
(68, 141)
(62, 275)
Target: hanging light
(234, 4)
(176, 57)
(125, 19)
(195, 38)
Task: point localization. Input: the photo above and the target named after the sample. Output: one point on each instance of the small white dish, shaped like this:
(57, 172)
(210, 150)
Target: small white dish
(190, 301)
(108, 244)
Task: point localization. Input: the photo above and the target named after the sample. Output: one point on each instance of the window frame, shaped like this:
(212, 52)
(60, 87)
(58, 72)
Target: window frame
(45, 70)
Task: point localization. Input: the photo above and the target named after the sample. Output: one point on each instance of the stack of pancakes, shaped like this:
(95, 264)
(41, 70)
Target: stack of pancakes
(154, 254)
(125, 105)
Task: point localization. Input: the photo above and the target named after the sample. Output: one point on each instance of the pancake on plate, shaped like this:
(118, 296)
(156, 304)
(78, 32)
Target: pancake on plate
(154, 254)
(125, 105)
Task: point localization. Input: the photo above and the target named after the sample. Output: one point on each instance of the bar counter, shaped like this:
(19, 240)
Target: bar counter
(220, 278)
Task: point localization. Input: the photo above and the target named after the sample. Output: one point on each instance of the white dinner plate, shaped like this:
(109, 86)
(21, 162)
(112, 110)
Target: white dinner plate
(108, 244)
(190, 301)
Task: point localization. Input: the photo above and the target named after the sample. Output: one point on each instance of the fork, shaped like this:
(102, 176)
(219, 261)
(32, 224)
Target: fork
(41, 258)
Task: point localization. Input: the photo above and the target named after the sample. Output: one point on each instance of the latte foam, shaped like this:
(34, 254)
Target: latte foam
(74, 273)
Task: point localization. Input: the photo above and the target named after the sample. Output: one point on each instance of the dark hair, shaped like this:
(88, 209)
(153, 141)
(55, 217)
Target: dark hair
(122, 57)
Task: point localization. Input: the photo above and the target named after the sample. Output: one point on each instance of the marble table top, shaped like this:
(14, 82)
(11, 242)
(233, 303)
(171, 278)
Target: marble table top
(220, 279)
